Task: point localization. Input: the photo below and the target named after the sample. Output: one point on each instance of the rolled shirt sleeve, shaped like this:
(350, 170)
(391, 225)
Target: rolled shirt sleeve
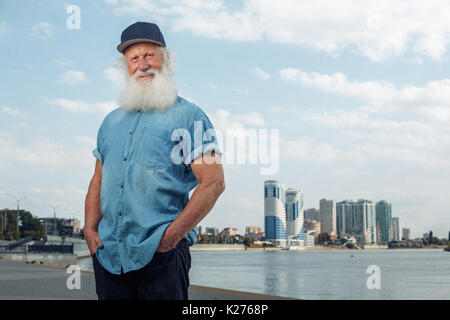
(97, 151)
(203, 139)
(97, 154)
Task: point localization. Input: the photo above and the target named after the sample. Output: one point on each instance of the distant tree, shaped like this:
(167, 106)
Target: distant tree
(248, 241)
(350, 245)
(430, 238)
(31, 226)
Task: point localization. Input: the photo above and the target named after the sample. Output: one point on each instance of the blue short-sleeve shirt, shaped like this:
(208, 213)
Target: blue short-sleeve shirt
(146, 178)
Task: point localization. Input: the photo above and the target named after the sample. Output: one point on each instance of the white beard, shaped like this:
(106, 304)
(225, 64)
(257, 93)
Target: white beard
(157, 93)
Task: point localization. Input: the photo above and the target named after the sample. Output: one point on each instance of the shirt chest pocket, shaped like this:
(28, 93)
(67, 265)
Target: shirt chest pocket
(153, 148)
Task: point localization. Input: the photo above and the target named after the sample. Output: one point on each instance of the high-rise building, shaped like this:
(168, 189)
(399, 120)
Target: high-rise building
(383, 220)
(365, 222)
(405, 233)
(344, 218)
(328, 216)
(312, 214)
(294, 214)
(275, 212)
(395, 227)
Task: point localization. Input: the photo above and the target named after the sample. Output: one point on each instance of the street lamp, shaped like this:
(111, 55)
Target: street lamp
(18, 205)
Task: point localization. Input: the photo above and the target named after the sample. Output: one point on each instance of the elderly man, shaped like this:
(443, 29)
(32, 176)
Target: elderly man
(151, 152)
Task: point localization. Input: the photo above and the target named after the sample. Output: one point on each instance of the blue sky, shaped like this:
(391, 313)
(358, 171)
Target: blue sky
(359, 92)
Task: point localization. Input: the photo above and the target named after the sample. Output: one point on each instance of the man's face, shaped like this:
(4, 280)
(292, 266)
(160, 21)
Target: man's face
(143, 56)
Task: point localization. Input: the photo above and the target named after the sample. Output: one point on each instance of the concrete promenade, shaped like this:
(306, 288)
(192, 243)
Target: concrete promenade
(21, 281)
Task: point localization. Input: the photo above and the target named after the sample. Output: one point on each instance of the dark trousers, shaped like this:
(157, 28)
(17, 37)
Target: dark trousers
(166, 277)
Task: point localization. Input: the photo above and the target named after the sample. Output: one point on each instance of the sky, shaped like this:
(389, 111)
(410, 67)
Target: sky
(359, 92)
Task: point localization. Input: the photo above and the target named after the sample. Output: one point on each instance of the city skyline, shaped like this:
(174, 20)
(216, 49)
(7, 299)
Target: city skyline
(361, 114)
(329, 227)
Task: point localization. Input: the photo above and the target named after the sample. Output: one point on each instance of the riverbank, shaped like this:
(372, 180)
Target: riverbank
(58, 260)
(228, 247)
(22, 281)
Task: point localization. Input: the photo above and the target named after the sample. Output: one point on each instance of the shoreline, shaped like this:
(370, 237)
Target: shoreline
(16, 284)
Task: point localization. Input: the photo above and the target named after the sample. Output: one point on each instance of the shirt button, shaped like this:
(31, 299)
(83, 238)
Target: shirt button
(121, 186)
(120, 213)
(120, 240)
(130, 133)
(124, 159)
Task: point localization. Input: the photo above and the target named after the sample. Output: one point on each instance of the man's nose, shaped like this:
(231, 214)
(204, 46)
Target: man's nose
(143, 65)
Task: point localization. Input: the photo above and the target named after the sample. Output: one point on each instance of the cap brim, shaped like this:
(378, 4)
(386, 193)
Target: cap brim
(121, 47)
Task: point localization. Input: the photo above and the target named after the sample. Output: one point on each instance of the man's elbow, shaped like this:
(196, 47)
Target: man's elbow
(220, 186)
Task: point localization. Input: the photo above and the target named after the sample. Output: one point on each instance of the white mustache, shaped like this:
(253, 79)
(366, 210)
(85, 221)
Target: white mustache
(147, 72)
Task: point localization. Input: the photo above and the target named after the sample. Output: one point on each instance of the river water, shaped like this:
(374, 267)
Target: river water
(325, 274)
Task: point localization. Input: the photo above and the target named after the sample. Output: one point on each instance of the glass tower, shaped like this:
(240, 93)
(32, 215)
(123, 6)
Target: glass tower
(294, 213)
(275, 212)
(384, 217)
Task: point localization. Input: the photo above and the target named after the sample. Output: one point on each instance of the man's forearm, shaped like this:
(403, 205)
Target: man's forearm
(92, 204)
(200, 204)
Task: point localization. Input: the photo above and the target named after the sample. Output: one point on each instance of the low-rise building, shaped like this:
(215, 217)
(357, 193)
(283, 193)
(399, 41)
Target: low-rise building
(229, 232)
(405, 244)
(309, 238)
(313, 225)
(61, 226)
(214, 231)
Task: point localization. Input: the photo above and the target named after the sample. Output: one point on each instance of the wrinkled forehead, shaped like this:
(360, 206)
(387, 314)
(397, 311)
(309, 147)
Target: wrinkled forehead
(141, 48)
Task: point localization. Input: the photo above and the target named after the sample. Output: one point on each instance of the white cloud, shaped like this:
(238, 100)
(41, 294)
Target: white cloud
(14, 112)
(105, 107)
(377, 30)
(261, 74)
(36, 167)
(407, 124)
(244, 92)
(40, 152)
(310, 150)
(115, 76)
(43, 31)
(72, 77)
(102, 107)
(86, 140)
(252, 119)
(212, 86)
(430, 101)
(63, 63)
(225, 120)
(3, 28)
(71, 105)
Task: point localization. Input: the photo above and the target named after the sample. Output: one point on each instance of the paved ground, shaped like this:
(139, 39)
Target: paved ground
(21, 281)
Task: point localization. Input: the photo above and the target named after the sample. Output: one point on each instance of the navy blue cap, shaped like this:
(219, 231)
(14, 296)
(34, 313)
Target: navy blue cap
(141, 32)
